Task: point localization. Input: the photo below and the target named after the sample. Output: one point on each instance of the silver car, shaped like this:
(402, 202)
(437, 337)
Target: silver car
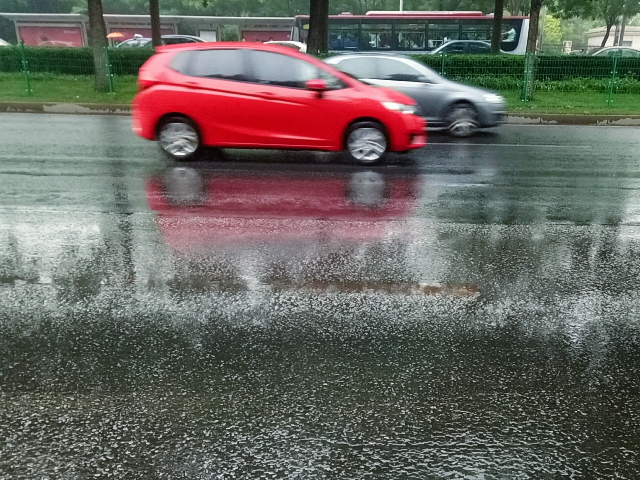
(458, 108)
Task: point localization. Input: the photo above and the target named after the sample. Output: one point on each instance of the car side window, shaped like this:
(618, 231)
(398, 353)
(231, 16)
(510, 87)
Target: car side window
(479, 48)
(270, 68)
(222, 64)
(358, 67)
(390, 69)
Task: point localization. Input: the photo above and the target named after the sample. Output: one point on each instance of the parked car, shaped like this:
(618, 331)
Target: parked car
(301, 47)
(624, 52)
(461, 109)
(140, 41)
(252, 95)
(462, 46)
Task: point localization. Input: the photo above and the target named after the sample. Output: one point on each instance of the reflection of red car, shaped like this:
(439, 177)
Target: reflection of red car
(252, 95)
(229, 208)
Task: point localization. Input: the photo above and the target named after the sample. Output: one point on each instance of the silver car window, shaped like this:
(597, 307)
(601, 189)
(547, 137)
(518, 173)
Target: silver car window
(358, 67)
(391, 69)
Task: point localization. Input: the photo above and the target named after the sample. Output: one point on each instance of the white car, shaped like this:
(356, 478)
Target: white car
(625, 52)
(301, 47)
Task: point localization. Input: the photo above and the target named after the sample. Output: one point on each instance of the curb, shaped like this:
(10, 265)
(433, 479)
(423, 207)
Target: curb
(511, 118)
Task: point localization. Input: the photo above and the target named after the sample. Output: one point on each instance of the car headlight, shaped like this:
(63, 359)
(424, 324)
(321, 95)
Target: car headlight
(400, 107)
(493, 98)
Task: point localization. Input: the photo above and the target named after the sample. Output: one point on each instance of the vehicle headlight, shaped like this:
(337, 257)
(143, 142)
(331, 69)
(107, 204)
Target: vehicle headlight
(400, 107)
(493, 98)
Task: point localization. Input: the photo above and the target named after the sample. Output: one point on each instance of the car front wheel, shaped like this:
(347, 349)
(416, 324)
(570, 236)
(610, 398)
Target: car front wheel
(179, 138)
(462, 121)
(366, 143)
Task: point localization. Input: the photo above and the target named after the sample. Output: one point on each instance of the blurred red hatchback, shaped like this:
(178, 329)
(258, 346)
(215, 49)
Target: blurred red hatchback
(247, 95)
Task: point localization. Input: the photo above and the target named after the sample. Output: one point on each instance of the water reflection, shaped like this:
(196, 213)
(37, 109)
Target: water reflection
(200, 208)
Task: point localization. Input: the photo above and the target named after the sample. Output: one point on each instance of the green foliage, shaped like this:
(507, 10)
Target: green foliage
(71, 61)
(552, 30)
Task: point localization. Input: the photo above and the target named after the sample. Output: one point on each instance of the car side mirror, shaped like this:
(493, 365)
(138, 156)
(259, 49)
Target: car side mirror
(317, 85)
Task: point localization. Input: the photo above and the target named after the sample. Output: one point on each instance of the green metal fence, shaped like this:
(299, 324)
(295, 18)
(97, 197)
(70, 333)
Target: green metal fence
(529, 74)
(36, 64)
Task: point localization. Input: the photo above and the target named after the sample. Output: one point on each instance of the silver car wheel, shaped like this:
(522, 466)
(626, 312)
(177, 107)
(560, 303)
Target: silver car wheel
(367, 144)
(461, 122)
(179, 139)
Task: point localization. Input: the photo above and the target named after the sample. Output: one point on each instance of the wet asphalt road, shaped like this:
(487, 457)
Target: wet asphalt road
(469, 311)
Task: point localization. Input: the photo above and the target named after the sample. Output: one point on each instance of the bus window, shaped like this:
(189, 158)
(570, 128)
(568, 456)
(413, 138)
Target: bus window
(409, 35)
(376, 36)
(343, 35)
(511, 30)
(476, 30)
(442, 32)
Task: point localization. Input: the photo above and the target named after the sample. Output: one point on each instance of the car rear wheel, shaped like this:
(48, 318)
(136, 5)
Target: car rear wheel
(462, 121)
(366, 143)
(179, 138)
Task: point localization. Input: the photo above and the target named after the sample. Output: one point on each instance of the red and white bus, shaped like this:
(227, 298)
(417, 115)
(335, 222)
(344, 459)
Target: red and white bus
(413, 32)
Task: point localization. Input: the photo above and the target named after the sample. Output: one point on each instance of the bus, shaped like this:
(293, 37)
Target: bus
(414, 32)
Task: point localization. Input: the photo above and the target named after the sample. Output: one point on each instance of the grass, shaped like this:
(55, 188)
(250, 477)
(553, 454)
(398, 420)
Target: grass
(80, 89)
(47, 87)
(577, 103)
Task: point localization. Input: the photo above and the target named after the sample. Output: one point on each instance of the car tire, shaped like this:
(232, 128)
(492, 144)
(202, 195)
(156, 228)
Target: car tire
(179, 138)
(366, 143)
(462, 120)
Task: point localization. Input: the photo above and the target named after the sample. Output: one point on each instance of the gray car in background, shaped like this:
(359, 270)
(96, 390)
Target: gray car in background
(458, 108)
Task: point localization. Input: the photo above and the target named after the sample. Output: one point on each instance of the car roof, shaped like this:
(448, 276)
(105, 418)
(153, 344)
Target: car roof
(370, 54)
(270, 47)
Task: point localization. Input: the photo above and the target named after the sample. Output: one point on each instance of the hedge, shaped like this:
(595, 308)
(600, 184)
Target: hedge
(486, 69)
(71, 61)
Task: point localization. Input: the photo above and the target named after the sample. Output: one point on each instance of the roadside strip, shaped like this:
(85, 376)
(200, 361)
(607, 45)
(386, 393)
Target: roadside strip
(512, 118)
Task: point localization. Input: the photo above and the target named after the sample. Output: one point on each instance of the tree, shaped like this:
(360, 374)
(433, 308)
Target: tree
(518, 7)
(496, 34)
(318, 39)
(608, 11)
(534, 20)
(552, 30)
(154, 13)
(98, 42)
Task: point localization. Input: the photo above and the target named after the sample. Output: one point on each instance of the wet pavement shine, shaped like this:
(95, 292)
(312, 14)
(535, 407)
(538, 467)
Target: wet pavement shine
(468, 311)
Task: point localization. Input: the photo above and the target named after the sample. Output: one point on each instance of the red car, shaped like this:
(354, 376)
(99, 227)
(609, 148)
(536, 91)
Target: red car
(251, 95)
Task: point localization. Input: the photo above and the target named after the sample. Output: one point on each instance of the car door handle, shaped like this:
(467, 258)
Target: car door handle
(191, 83)
(267, 94)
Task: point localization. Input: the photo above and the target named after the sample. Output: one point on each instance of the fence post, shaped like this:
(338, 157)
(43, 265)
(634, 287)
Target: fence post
(527, 87)
(25, 67)
(442, 63)
(108, 70)
(612, 81)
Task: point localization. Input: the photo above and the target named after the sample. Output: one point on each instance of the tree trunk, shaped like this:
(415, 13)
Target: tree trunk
(534, 19)
(616, 35)
(496, 35)
(154, 12)
(606, 35)
(318, 39)
(98, 42)
(622, 25)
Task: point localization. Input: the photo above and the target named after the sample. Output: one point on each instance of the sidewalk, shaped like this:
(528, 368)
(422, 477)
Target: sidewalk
(512, 118)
